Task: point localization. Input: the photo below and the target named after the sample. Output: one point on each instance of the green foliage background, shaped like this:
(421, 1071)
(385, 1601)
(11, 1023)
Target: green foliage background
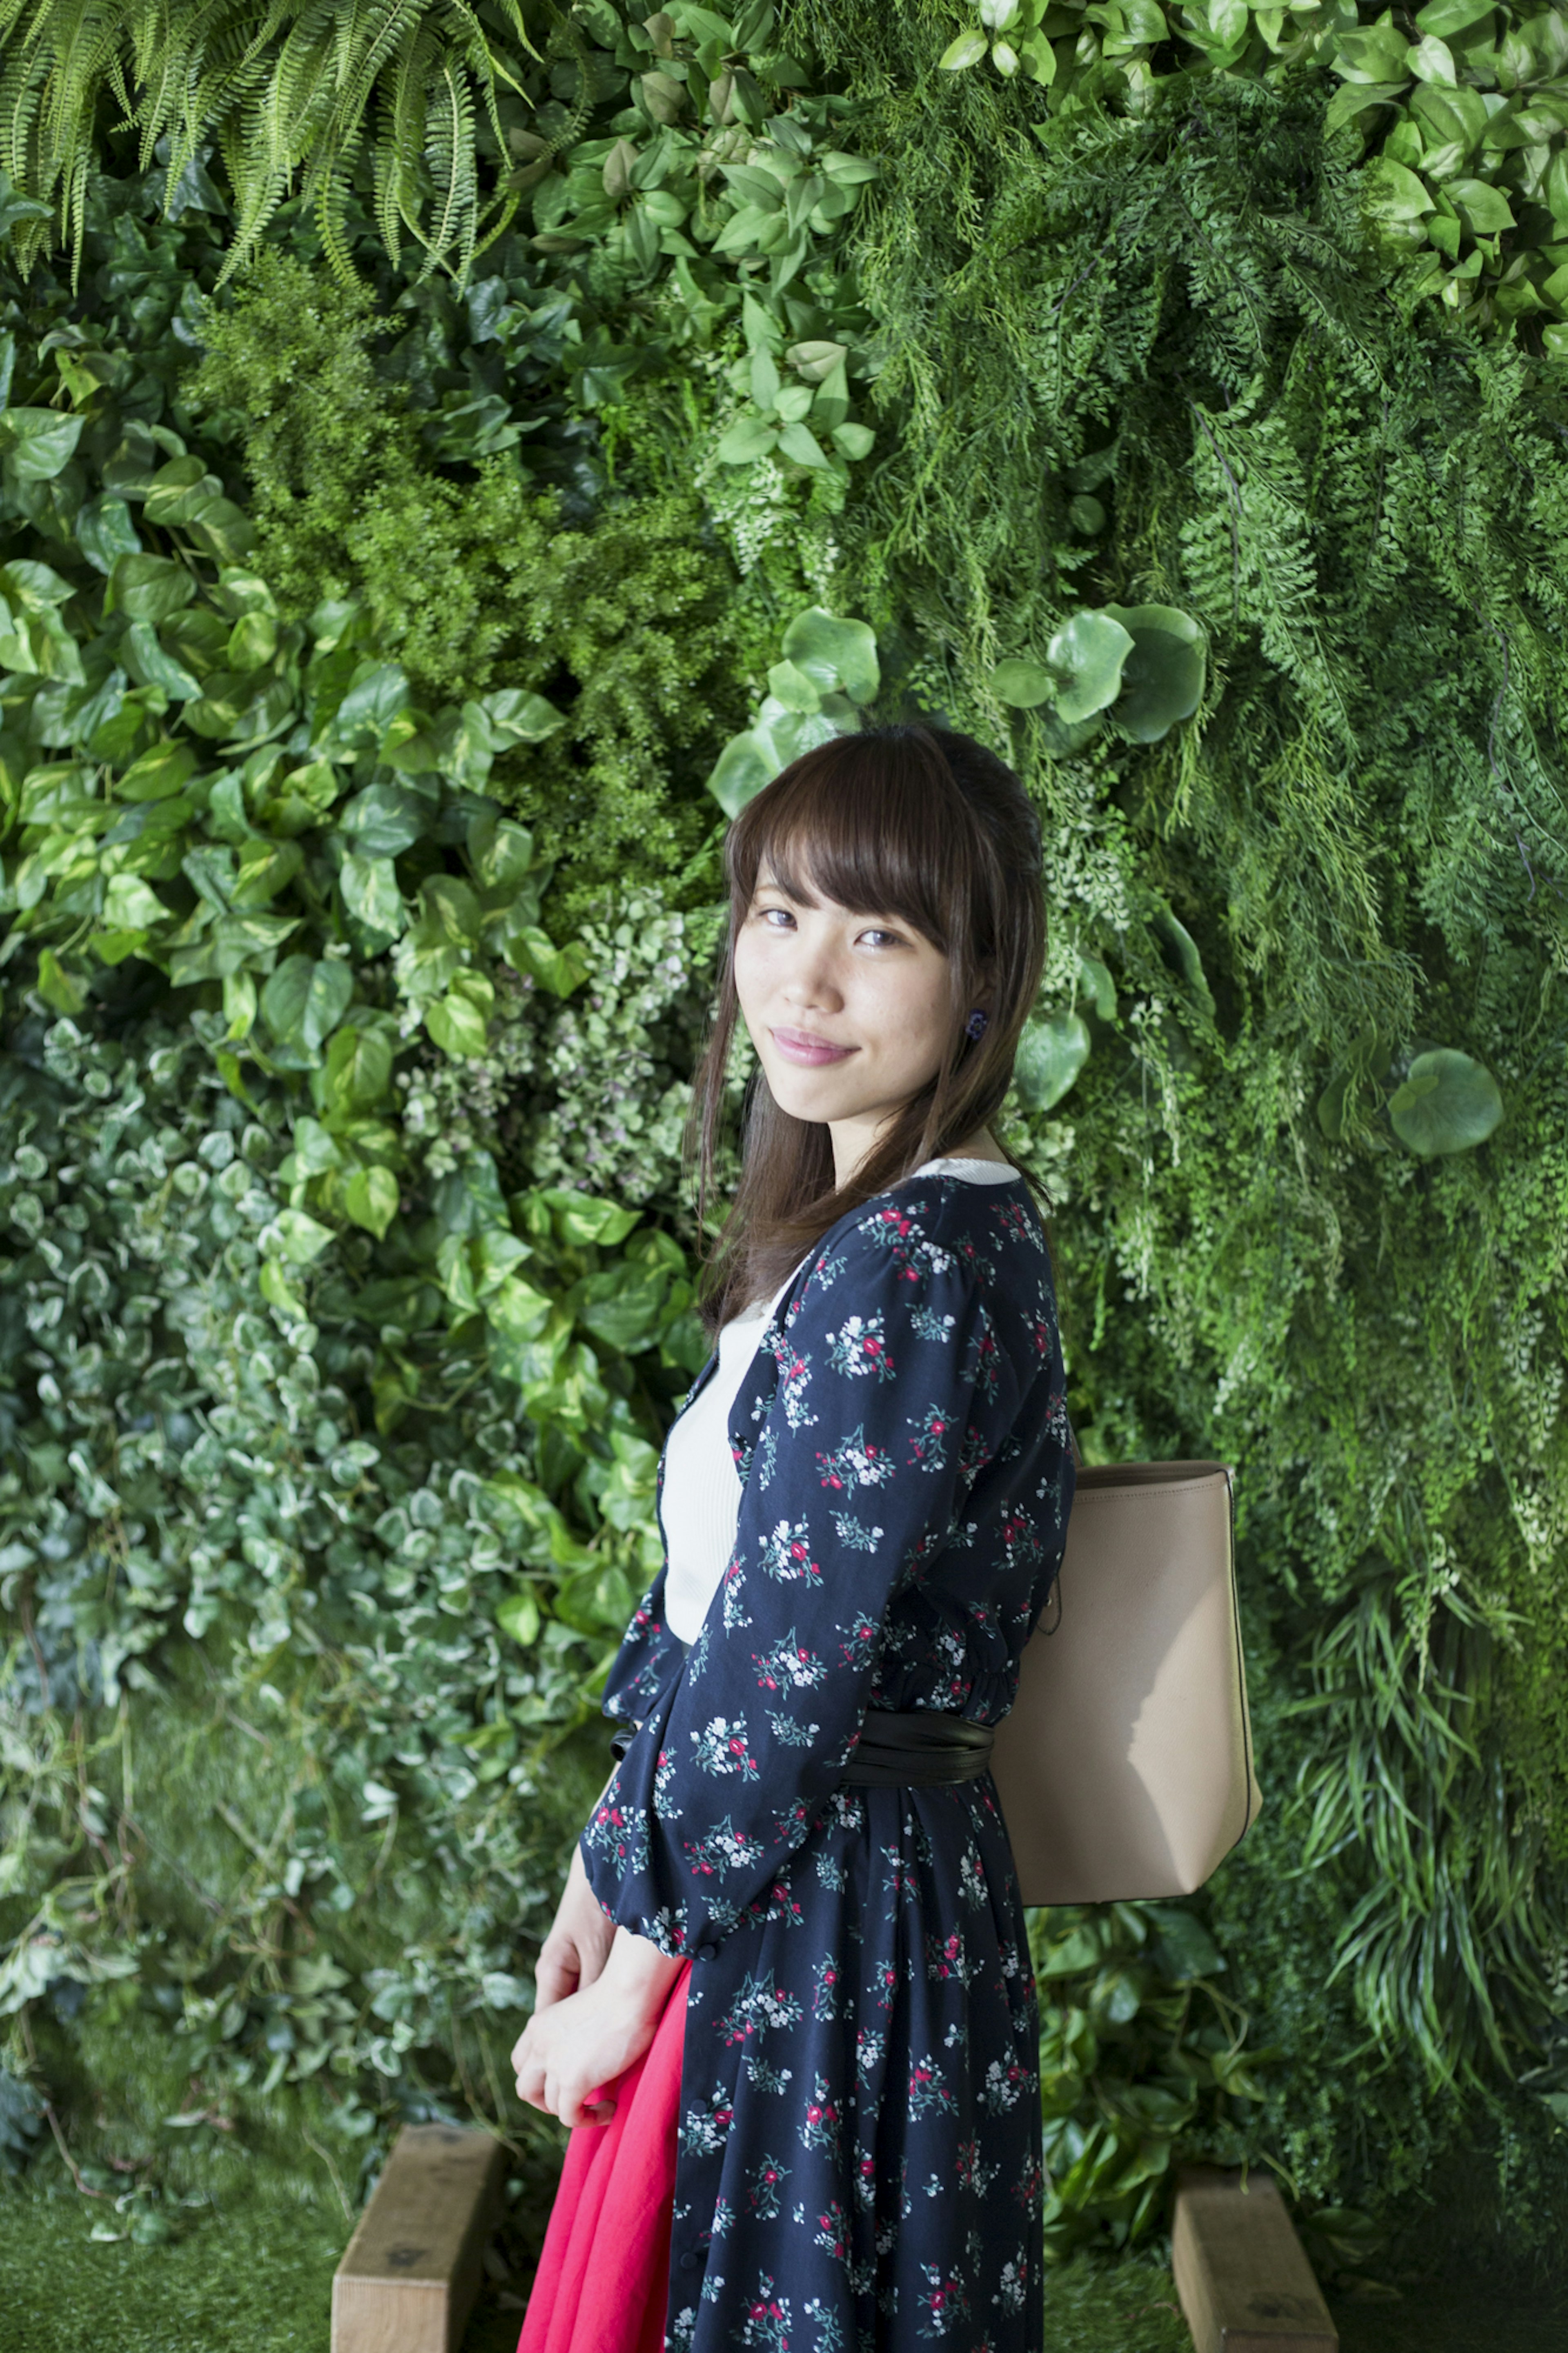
(390, 546)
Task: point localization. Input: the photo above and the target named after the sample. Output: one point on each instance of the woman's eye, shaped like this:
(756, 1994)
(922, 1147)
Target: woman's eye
(776, 918)
(880, 939)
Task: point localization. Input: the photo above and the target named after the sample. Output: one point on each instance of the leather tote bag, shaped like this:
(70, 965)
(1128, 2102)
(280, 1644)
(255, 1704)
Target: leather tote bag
(1125, 1768)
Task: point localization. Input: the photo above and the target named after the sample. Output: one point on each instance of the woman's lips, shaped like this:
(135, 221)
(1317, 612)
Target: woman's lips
(801, 1046)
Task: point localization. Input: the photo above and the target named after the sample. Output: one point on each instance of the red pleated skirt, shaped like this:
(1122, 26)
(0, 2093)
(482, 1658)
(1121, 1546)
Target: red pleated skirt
(603, 2277)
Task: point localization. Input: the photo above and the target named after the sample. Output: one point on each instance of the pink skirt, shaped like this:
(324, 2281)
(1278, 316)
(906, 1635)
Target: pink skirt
(604, 2278)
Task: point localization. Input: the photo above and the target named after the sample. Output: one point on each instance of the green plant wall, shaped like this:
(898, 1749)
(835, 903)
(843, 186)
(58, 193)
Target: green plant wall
(410, 553)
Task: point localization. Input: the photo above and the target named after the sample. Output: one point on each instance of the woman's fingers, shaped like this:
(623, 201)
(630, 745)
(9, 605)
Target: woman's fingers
(557, 1973)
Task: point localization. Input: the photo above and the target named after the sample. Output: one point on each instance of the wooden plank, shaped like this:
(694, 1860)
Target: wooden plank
(411, 2271)
(1242, 2274)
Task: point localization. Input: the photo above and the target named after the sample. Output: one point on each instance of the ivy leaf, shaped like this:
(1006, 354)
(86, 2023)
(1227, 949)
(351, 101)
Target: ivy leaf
(37, 443)
(456, 1021)
(370, 1198)
(358, 1069)
(59, 986)
(1448, 1102)
(384, 821)
(129, 905)
(298, 1238)
(304, 1000)
(371, 894)
(148, 587)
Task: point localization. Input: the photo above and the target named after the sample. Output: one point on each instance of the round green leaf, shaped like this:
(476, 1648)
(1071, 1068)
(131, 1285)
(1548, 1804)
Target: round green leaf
(1088, 653)
(1447, 1104)
(1163, 677)
(746, 764)
(1023, 685)
(793, 688)
(958, 56)
(1051, 1053)
(835, 653)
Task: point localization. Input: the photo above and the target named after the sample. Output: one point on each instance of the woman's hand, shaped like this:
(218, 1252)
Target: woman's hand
(584, 2040)
(578, 1944)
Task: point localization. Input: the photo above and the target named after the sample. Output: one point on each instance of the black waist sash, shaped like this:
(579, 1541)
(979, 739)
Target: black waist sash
(898, 1749)
(918, 1749)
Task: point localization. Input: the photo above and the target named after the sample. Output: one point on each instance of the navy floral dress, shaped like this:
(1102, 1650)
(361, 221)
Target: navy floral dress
(860, 2161)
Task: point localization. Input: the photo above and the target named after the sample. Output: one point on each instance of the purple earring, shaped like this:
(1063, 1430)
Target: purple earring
(974, 1027)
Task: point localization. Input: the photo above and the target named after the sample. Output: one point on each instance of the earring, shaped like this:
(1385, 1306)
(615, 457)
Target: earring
(974, 1027)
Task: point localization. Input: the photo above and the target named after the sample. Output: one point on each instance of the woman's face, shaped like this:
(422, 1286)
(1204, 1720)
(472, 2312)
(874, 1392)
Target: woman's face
(848, 1012)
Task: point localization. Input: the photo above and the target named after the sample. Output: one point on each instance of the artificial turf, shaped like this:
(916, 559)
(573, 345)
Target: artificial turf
(250, 2272)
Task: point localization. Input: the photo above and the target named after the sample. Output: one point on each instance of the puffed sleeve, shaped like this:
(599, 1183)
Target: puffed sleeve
(890, 1395)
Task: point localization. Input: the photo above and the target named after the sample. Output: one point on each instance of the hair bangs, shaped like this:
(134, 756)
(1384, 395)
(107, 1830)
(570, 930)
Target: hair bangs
(875, 824)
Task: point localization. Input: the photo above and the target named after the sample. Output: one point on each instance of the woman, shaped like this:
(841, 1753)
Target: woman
(813, 2033)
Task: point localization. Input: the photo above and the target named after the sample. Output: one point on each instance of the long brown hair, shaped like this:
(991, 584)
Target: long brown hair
(918, 822)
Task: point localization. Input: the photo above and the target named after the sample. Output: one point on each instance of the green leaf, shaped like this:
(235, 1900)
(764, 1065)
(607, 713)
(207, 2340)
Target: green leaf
(1395, 193)
(158, 773)
(265, 868)
(300, 1237)
(105, 532)
(517, 716)
(370, 1198)
(853, 440)
(129, 905)
(1163, 676)
(1485, 209)
(1022, 685)
(456, 1024)
(304, 1000)
(1088, 654)
(960, 55)
(748, 439)
(798, 442)
(834, 653)
(1444, 16)
(386, 819)
(58, 987)
(371, 894)
(794, 688)
(37, 443)
(1448, 1102)
(1051, 1053)
(378, 695)
(519, 1617)
(149, 588)
(746, 764)
(358, 1070)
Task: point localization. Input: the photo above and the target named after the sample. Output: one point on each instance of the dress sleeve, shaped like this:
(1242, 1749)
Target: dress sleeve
(890, 1395)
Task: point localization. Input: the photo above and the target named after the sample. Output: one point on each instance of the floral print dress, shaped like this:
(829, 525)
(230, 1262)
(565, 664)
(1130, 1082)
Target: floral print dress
(860, 2161)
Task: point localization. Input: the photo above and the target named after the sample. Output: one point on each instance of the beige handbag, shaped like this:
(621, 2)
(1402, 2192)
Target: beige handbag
(1125, 1767)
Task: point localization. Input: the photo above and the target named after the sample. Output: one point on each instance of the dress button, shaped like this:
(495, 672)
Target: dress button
(689, 2263)
(706, 1952)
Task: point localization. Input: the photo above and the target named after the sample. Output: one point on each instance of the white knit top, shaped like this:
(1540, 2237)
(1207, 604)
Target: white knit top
(702, 1500)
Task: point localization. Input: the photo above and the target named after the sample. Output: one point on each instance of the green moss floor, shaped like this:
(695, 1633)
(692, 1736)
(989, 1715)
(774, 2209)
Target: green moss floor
(254, 2276)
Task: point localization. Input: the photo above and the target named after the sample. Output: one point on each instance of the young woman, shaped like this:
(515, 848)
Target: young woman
(787, 2000)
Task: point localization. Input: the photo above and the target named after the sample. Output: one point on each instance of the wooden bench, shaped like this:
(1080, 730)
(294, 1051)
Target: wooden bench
(1242, 2274)
(410, 2273)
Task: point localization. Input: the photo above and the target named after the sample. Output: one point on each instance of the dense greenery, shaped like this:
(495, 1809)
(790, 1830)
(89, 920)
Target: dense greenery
(388, 624)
